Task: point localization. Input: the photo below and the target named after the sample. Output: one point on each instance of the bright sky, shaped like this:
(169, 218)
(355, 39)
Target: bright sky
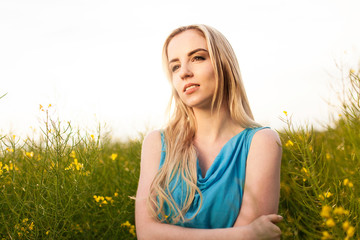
(100, 61)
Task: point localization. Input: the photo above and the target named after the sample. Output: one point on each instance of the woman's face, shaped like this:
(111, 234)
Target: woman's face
(191, 69)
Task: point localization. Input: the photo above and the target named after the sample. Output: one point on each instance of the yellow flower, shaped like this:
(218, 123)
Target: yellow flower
(92, 136)
(47, 232)
(289, 143)
(330, 222)
(132, 230)
(348, 183)
(31, 226)
(29, 154)
(328, 194)
(285, 112)
(350, 232)
(328, 156)
(6, 167)
(346, 225)
(325, 195)
(25, 220)
(114, 156)
(126, 224)
(116, 194)
(325, 211)
(326, 235)
(9, 149)
(339, 210)
(352, 71)
(49, 105)
(72, 154)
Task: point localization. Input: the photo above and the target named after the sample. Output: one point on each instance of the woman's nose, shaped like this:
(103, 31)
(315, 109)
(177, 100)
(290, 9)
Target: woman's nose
(185, 72)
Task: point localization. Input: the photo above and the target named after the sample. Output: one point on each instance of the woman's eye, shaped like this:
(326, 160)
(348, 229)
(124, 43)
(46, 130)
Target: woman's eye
(198, 58)
(174, 68)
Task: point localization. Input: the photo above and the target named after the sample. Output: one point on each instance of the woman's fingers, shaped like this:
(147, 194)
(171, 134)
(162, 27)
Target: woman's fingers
(274, 218)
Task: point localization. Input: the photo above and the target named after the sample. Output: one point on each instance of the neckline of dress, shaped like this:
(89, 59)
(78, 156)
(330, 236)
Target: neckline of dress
(199, 170)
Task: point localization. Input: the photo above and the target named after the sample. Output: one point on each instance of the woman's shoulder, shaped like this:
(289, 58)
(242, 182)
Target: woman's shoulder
(153, 140)
(150, 155)
(266, 143)
(266, 136)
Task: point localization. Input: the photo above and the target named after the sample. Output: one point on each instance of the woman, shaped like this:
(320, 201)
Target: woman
(213, 172)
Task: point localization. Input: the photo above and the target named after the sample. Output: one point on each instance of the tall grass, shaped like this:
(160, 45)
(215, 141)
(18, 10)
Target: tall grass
(74, 185)
(65, 186)
(320, 191)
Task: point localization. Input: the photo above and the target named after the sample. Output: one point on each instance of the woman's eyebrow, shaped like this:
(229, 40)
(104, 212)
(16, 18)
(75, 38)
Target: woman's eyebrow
(189, 54)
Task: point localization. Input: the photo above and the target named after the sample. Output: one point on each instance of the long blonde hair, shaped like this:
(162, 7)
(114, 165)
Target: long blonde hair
(181, 159)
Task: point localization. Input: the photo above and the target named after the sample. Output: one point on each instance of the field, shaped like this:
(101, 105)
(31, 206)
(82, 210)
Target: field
(74, 185)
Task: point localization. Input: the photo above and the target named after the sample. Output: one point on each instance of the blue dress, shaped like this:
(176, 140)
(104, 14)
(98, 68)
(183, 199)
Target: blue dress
(222, 187)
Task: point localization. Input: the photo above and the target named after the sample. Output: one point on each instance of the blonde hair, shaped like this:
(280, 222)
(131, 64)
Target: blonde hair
(181, 159)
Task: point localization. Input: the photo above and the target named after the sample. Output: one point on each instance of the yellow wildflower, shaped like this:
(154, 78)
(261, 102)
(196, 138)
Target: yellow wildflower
(132, 230)
(49, 105)
(325, 211)
(350, 232)
(31, 226)
(346, 181)
(9, 149)
(328, 194)
(6, 167)
(325, 195)
(328, 156)
(72, 154)
(116, 194)
(350, 184)
(114, 156)
(330, 222)
(352, 71)
(289, 143)
(285, 112)
(339, 210)
(326, 235)
(47, 232)
(346, 225)
(126, 224)
(25, 220)
(29, 154)
(92, 136)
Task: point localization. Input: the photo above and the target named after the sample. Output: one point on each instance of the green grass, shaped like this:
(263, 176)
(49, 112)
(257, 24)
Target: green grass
(73, 185)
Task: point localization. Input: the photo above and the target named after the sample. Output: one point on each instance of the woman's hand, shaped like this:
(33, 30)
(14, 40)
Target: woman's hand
(264, 227)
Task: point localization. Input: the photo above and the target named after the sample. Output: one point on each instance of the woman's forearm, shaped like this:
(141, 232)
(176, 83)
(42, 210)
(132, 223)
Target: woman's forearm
(159, 231)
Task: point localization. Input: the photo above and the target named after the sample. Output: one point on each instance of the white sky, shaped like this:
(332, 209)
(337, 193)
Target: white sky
(100, 61)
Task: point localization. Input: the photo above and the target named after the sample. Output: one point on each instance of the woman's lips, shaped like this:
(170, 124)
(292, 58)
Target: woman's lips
(190, 85)
(191, 88)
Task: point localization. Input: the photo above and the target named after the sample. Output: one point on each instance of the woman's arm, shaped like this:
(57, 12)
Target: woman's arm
(149, 228)
(262, 181)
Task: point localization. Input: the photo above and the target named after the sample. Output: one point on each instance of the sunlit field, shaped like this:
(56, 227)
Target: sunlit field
(71, 184)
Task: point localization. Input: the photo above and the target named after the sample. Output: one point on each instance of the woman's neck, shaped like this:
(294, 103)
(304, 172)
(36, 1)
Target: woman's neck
(215, 126)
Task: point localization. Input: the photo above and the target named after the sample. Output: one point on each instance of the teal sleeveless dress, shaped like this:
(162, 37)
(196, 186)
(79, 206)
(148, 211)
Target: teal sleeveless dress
(222, 187)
